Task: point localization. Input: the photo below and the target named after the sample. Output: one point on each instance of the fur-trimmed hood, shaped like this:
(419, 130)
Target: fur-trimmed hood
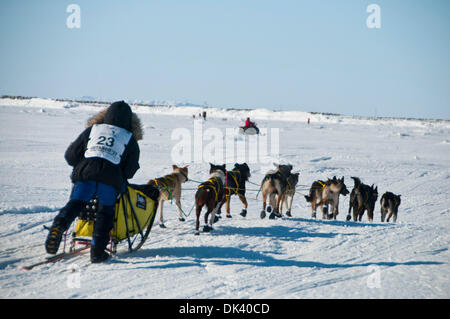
(136, 125)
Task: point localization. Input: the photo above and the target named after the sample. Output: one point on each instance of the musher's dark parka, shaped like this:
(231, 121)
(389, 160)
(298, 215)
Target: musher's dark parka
(98, 169)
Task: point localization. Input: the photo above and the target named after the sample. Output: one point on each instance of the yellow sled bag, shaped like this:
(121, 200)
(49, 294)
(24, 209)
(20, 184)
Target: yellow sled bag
(135, 212)
(84, 228)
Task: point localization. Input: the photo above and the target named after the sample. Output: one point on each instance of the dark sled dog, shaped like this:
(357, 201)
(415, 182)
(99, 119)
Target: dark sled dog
(273, 186)
(288, 196)
(235, 185)
(326, 193)
(210, 194)
(389, 205)
(363, 197)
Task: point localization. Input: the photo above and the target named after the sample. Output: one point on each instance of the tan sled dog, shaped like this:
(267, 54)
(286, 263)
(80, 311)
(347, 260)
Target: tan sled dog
(170, 189)
(273, 186)
(324, 193)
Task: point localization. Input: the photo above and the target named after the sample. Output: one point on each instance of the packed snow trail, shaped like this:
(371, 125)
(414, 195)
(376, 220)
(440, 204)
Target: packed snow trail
(296, 257)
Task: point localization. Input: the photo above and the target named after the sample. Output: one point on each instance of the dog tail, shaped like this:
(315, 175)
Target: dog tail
(357, 181)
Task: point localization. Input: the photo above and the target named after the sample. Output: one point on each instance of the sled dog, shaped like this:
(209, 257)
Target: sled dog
(363, 197)
(389, 205)
(170, 189)
(273, 186)
(235, 185)
(288, 196)
(326, 193)
(210, 194)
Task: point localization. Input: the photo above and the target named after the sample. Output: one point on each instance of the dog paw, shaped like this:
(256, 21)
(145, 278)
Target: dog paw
(263, 214)
(275, 214)
(207, 229)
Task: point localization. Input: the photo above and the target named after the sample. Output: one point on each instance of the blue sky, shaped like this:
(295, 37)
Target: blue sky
(297, 55)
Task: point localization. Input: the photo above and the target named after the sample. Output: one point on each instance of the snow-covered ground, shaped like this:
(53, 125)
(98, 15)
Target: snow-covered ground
(296, 257)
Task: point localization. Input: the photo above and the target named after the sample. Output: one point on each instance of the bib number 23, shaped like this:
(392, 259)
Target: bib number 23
(107, 141)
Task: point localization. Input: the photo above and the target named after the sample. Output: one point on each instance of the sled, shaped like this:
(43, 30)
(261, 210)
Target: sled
(58, 257)
(251, 130)
(135, 212)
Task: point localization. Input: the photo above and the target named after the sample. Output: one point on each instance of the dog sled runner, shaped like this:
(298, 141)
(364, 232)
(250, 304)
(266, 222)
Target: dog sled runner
(135, 212)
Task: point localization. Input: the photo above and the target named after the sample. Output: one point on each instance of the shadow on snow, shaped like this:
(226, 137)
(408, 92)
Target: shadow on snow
(226, 256)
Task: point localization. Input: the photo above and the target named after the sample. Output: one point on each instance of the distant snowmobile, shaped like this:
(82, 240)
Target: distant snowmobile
(249, 128)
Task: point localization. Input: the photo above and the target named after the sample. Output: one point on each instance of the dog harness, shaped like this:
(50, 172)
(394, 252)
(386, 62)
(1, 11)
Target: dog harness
(230, 189)
(214, 184)
(322, 184)
(163, 182)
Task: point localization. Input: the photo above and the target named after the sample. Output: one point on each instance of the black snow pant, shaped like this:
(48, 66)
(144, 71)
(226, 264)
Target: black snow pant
(104, 221)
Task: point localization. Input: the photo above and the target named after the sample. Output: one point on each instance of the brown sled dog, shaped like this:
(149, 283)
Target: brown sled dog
(273, 185)
(326, 193)
(389, 205)
(170, 189)
(210, 194)
(363, 197)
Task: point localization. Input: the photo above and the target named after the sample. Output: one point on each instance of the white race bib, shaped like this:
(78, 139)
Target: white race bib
(107, 142)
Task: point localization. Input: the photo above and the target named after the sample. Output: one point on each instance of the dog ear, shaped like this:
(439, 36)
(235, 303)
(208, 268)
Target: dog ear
(174, 166)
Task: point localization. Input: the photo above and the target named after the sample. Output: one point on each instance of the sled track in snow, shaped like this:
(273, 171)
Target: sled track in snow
(29, 210)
